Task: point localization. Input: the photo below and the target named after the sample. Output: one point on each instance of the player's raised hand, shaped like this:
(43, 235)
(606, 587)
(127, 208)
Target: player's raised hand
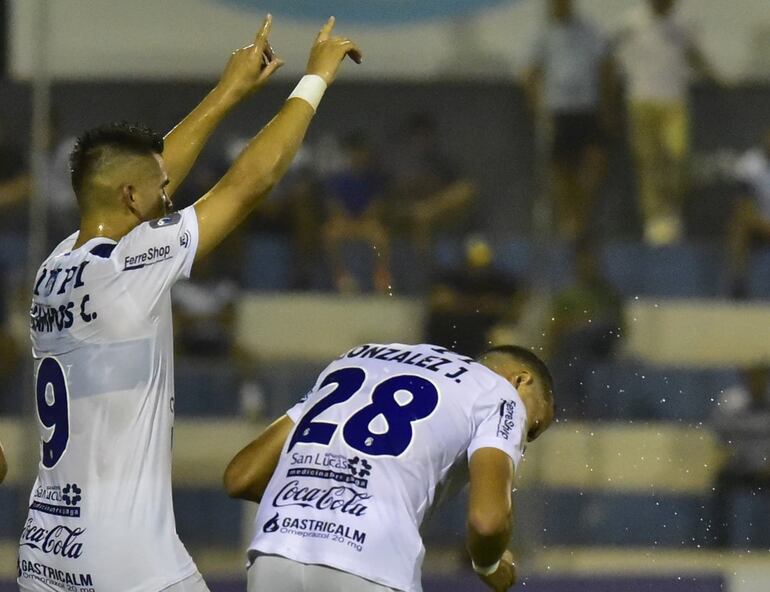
(505, 576)
(250, 67)
(328, 52)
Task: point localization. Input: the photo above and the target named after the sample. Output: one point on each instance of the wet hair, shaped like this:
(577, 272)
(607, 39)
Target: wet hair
(531, 361)
(114, 138)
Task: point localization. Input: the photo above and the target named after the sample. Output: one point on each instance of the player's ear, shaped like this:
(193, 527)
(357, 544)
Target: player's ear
(523, 377)
(127, 194)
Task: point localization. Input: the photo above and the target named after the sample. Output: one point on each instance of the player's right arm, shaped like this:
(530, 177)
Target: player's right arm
(3, 464)
(250, 471)
(489, 516)
(264, 161)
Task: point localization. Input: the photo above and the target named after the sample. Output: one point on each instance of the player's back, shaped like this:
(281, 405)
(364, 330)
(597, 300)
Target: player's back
(101, 515)
(373, 441)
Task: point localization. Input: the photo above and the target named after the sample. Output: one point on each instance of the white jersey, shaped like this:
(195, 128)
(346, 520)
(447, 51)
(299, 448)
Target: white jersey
(373, 441)
(101, 516)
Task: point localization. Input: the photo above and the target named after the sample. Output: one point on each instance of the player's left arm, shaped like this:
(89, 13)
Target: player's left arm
(247, 71)
(3, 464)
(250, 471)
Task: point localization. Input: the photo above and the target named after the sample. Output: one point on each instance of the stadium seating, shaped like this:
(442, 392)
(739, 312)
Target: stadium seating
(689, 270)
(190, 504)
(759, 275)
(206, 387)
(286, 382)
(630, 390)
(604, 519)
(747, 520)
(13, 250)
(268, 263)
(10, 515)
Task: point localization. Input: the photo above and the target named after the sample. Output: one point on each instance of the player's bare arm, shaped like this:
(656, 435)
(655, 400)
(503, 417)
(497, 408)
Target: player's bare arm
(3, 464)
(247, 71)
(268, 155)
(248, 474)
(489, 517)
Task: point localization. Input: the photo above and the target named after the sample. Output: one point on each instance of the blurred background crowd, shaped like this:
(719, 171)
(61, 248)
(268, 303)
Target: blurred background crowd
(604, 200)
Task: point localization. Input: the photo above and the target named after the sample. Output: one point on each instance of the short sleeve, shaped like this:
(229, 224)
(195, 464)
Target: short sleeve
(296, 411)
(500, 420)
(155, 255)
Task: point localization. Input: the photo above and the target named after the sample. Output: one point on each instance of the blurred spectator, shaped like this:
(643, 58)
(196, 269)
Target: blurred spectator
(204, 311)
(294, 210)
(742, 422)
(570, 81)
(658, 52)
(63, 214)
(11, 348)
(354, 207)
(750, 222)
(15, 185)
(586, 323)
(429, 192)
(467, 304)
(204, 317)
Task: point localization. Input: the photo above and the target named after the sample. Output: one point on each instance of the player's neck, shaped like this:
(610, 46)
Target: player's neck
(102, 226)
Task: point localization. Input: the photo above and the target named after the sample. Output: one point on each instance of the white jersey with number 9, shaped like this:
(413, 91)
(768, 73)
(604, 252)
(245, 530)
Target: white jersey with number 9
(101, 515)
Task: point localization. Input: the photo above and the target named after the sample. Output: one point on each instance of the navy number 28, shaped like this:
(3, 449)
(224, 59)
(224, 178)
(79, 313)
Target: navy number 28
(357, 430)
(53, 410)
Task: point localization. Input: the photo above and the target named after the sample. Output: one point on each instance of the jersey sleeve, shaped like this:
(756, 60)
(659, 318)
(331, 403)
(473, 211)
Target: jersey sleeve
(155, 255)
(295, 411)
(500, 420)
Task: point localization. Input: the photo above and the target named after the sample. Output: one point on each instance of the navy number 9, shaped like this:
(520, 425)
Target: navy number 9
(53, 415)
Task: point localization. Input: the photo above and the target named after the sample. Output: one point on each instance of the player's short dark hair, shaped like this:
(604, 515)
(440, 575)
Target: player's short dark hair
(122, 136)
(530, 360)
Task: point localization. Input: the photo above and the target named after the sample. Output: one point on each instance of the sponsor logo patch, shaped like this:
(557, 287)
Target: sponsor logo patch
(506, 422)
(151, 256)
(58, 501)
(61, 541)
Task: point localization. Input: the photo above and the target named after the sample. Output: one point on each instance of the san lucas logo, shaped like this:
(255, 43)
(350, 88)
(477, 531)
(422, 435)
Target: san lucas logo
(271, 525)
(71, 494)
(362, 471)
(59, 540)
(58, 501)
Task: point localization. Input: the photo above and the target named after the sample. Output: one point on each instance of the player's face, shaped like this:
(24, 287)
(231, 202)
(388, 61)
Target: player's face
(150, 197)
(540, 421)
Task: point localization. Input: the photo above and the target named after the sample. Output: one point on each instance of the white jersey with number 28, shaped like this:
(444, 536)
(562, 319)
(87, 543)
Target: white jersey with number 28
(372, 442)
(101, 515)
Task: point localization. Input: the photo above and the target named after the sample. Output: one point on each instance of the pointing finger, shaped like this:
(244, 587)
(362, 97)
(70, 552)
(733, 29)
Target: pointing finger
(262, 35)
(326, 30)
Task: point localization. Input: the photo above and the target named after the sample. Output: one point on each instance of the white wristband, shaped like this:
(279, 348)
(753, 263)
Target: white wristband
(311, 89)
(485, 571)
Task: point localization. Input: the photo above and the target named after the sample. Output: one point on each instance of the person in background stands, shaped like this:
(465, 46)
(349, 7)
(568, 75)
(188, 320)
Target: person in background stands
(658, 53)
(750, 221)
(429, 192)
(353, 197)
(571, 82)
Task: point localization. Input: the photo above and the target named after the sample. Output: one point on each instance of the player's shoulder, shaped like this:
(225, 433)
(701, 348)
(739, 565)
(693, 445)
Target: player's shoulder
(59, 251)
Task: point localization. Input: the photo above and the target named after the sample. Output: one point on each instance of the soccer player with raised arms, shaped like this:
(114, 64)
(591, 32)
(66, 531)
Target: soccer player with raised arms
(346, 477)
(101, 516)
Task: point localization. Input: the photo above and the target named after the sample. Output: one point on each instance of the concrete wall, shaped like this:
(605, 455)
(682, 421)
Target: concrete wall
(192, 38)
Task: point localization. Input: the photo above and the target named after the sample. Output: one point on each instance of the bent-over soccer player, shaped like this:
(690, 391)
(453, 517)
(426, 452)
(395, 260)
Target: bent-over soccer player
(101, 516)
(346, 477)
